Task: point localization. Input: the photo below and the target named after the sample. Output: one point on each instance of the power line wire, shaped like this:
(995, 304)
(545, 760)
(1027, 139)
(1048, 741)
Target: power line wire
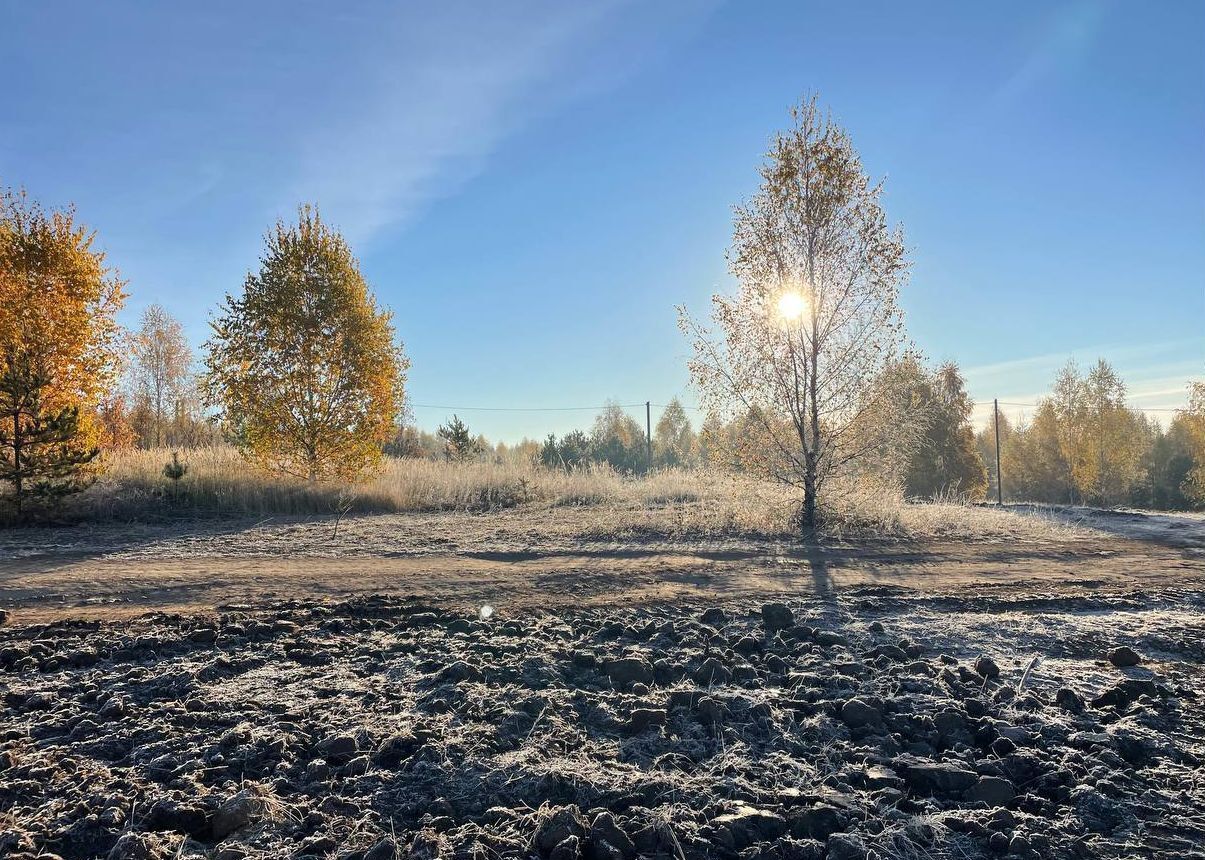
(524, 408)
(701, 408)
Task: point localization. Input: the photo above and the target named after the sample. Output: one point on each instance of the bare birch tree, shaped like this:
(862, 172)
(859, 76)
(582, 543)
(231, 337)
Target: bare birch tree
(800, 352)
(161, 372)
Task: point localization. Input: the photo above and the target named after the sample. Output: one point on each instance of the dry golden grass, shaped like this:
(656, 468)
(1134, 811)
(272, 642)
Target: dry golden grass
(670, 502)
(219, 480)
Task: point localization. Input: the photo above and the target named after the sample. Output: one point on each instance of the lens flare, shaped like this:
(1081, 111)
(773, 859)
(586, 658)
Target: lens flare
(792, 306)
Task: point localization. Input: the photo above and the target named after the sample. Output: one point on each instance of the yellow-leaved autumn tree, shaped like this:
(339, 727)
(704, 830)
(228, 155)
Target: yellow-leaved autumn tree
(58, 303)
(58, 347)
(303, 366)
(1192, 420)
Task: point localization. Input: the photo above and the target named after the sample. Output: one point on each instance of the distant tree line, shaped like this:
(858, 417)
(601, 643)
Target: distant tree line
(1055, 457)
(1084, 445)
(615, 439)
(941, 457)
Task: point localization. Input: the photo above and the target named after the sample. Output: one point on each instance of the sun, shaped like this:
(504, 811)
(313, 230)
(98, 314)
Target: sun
(792, 306)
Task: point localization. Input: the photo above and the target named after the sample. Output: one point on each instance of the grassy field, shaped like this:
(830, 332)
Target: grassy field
(665, 502)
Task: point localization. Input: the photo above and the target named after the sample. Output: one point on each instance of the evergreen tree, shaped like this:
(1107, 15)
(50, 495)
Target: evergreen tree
(175, 470)
(550, 455)
(571, 451)
(575, 449)
(946, 459)
(44, 454)
(460, 445)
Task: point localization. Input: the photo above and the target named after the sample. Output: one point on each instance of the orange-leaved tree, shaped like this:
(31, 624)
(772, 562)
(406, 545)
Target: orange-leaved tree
(303, 366)
(58, 345)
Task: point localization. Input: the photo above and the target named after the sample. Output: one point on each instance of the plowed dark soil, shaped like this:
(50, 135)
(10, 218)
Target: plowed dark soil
(867, 721)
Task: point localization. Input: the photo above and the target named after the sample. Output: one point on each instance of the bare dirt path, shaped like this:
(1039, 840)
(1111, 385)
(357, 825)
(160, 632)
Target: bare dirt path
(42, 588)
(1169, 528)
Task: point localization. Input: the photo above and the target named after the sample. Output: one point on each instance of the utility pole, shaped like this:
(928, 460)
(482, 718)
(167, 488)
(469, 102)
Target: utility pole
(1100, 426)
(648, 430)
(999, 488)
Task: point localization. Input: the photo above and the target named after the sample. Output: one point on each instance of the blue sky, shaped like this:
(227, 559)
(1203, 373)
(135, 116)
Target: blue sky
(533, 186)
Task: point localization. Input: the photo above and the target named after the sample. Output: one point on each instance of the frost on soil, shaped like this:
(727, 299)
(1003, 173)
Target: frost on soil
(876, 724)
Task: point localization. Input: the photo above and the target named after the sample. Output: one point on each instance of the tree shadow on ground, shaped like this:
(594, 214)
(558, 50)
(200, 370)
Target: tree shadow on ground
(822, 581)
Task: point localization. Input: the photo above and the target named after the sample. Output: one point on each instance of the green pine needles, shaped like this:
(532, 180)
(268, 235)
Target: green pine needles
(43, 456)
(174, 470)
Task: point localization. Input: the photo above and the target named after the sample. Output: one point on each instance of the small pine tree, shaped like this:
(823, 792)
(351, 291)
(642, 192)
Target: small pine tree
(575, 449)
(174, 470)
(460, 445)
(550, 453)
(42, 453)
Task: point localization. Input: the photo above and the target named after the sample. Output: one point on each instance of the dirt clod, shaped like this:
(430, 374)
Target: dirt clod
(1124, 657)
(776, 616)
(986, 667)
(244, 808)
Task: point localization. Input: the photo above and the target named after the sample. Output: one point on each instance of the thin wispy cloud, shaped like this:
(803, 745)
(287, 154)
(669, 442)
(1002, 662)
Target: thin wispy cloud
(1063, 40)
(1110, 352)
(1164, 391)
(444, 91)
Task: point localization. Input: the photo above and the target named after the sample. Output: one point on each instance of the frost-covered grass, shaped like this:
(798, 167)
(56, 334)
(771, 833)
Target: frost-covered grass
(664, 502)
(219, 480)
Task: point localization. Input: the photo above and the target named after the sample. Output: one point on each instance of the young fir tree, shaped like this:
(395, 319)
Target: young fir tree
(460, 445)
(174, 470)
(571, 451)
(43, 452)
